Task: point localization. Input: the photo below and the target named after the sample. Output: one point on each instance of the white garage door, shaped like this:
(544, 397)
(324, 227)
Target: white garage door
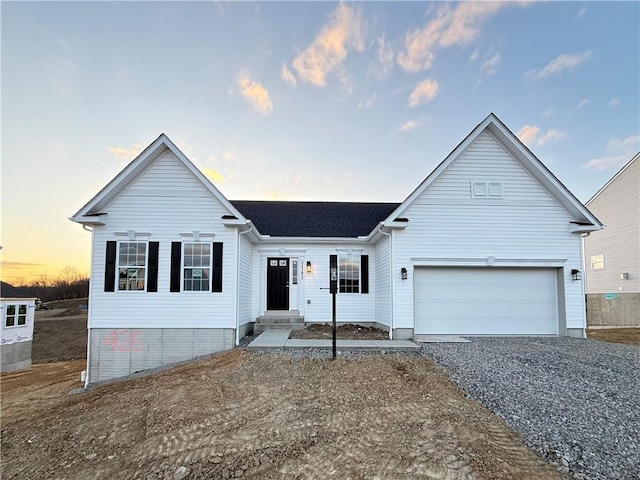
(485, 301)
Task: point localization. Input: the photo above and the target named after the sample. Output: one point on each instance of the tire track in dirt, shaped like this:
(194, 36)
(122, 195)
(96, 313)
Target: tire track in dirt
(267, 417)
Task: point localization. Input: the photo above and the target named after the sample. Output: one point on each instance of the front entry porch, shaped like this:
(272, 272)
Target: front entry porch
(279, 320)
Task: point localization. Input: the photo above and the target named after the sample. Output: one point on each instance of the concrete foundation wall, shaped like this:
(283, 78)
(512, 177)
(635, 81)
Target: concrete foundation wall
(613, 310)
(119, 352)
(15, 356)
(576, 332)
(403, 333)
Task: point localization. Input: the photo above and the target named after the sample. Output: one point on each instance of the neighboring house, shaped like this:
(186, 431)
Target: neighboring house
(612, 256)
(485, 245)
(16, 333)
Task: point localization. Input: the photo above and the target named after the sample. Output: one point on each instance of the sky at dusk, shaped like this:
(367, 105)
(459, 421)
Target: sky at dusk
(297, 100)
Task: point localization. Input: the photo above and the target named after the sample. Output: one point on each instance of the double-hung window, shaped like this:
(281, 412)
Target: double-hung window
(16, 316)
(197, 267)
(353, 272)
(132, 265)
(349, 273)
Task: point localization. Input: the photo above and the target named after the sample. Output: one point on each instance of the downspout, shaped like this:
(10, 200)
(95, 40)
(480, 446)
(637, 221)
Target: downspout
(238, 282)
(583, 252)
(86, 377)
(390, 280)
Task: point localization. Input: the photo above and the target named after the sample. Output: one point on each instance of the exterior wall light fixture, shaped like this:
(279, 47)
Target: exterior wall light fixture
(403, 273)
(575, 274)
(308, 266)
(624, 275)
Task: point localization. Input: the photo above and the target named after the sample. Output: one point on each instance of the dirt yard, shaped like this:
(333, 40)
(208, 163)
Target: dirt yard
(629, 336)
(256, 416)
(343, 332)
(59, 335)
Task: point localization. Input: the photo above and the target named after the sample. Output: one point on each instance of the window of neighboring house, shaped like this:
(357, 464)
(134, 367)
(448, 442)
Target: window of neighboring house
(349, 273)
(132, 265)
(16, 316)
(597, 262)
(197, 267)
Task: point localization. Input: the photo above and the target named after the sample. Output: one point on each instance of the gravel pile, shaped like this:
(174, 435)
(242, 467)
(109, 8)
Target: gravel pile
(575, 402)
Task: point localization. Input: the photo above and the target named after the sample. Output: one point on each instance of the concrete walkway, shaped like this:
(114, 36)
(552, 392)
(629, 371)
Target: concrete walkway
(280, 339)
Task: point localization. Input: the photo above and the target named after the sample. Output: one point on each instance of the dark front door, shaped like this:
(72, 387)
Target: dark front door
(277, 284)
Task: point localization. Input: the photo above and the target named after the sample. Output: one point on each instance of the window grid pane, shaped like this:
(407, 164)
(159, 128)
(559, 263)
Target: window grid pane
(132, 261)
(10, 317)
(197, 267)
(349, 274)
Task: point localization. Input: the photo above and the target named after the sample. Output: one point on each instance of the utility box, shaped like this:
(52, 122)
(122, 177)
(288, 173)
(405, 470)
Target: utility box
(17, 316)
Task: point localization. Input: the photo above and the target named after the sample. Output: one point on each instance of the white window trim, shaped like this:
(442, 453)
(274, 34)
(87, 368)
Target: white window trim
(183, 267)
(16, 315)
(146, 267)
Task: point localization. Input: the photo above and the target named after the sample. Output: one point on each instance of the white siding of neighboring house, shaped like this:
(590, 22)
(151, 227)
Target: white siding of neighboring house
(165, 201)
(618, 207)
(315, 299)
(383, 281)
(446, 222)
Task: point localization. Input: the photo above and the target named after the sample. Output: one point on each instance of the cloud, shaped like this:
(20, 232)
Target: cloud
(344, 32)
(614, 102)
(619, 151)
(547, 113)
(531, 135)
(458, 26)
(368, 102)
(629, 143)
(606, 163)
(581, 12)
(559, 65)
(126, 153)
(424, 92)
(287, 76)
(410, 125)
(584, 102)
(213, 175)
(256, 94)
(490, 66)
(550, 136)
(384, 59)
(528, 133)
(474, 55)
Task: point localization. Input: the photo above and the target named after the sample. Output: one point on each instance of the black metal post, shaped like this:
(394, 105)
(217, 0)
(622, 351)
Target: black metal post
(333, 301)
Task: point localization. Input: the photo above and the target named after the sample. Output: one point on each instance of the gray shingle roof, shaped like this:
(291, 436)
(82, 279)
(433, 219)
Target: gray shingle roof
(314, 219)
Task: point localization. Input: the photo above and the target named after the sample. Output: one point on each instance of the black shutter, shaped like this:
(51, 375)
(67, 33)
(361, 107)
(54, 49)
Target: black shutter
(217, 266)
(152, 273)
(110, 267)
(176, 260)
(364, 273)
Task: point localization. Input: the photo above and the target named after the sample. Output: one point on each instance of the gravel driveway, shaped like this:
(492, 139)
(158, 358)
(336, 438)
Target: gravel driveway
(575, 402)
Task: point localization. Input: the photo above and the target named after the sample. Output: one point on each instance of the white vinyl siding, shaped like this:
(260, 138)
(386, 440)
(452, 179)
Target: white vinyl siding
(485, 301)
(445, 222)
(382, 267)
(245, 278)
(618, 207)
(165, 202)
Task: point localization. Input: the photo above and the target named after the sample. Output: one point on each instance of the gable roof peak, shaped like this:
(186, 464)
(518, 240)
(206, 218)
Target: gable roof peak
(146, 158)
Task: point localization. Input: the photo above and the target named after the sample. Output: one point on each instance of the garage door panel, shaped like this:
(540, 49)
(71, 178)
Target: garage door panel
(485, 301)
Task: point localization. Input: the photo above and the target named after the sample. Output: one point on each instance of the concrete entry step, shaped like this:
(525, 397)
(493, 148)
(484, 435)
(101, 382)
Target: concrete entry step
(279, 322)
